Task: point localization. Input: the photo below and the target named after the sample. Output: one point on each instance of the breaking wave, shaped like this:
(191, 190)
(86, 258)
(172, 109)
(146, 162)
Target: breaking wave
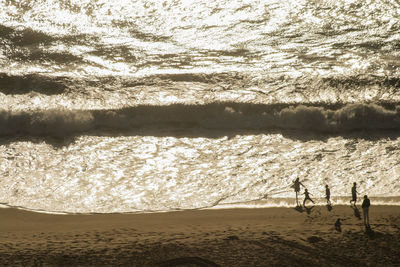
(23, 84)
(216, 116)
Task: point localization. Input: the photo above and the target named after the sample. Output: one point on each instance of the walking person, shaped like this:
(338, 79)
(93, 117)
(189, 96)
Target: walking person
(328, 195)
(307, 197)
(354, 194)
(365, 206)
(296, 186)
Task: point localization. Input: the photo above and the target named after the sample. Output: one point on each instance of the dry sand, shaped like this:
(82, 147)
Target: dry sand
(228, 237)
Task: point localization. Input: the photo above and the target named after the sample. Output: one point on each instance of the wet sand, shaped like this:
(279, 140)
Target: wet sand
(227, 237)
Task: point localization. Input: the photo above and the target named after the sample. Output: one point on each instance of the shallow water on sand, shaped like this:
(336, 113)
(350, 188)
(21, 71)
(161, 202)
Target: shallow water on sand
(155, 106)
(135, 173)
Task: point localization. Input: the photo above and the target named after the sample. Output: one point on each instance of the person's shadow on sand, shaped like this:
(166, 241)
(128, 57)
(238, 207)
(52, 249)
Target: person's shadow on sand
(356, 212)
(304, 209)
(329, 207)
(299, 208)
(308, 209)
(369, 232)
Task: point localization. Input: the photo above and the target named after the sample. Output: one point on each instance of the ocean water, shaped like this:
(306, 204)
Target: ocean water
(132, 106)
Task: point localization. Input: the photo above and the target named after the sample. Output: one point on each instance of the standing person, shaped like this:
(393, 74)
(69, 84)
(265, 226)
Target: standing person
(365, 206)
(328, 195)
(354, 193)
(307, 197)
(296, 186)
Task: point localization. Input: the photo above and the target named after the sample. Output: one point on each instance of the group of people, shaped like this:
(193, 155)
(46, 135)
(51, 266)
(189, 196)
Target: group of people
(365, 204)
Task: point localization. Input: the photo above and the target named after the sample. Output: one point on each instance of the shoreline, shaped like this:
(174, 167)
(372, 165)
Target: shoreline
(270, 202)
(224, 237)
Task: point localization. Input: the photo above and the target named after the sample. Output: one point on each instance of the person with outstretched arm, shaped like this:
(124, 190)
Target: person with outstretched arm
(307, 197)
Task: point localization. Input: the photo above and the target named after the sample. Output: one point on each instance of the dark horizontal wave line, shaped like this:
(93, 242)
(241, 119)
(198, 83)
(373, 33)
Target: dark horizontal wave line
(210, 120)
(23, 84)
(51, 85)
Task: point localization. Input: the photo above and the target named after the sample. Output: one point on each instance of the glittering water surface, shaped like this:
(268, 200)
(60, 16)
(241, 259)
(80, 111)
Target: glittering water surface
(121, 106)
(162, 173)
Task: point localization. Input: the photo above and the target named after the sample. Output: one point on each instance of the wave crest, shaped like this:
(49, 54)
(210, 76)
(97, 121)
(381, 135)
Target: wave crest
(56, 123)
(213, 116)
(350, 117)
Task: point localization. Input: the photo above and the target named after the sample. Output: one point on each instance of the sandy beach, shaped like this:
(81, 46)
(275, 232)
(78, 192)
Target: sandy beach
(218, 237)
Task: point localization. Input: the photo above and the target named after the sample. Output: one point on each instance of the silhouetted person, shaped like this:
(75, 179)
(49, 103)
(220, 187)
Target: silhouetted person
(307, 197)
(296, 186)
(328, 195)
(338, 225)
(354, 193)
(365, 206)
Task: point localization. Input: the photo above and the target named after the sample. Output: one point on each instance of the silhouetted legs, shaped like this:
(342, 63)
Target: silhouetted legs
(366, 216)
(328, 202)
(354, 200)
(307, 198)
